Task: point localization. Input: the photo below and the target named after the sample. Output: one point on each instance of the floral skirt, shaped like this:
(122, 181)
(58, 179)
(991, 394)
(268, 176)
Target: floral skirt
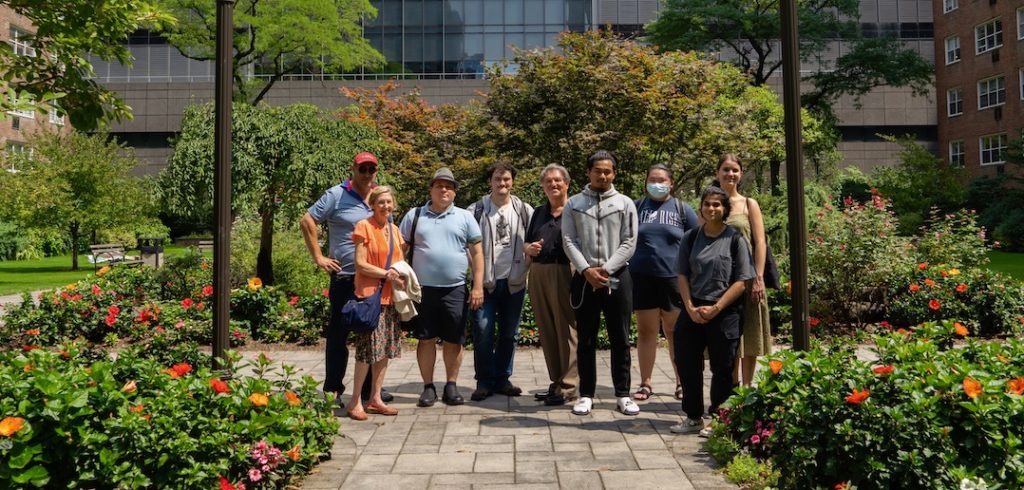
(383, 343)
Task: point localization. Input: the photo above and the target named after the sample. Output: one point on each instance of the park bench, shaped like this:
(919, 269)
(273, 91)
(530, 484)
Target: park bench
(111, 254)
(205, 246)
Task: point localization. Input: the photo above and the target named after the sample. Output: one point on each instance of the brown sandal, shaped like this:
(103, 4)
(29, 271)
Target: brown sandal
(643, 393)
(381, 409)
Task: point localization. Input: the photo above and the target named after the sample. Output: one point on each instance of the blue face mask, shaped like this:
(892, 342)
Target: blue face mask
(658, 191)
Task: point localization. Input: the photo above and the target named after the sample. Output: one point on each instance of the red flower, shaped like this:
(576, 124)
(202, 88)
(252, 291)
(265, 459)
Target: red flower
(930, 283)
(813, 322)
(178, 370)
(207, 291)
(914, 288)
(886, 325)
(922, 266)
(294, 300)
(219, 386)
(858, 397)
(186, 303)
(29, 347)
(225, 484)
(326, 293)
(201, 306)
(96, 290)
(113, 310)
(883, 370)
(111, 320)
(934, 305)
(961, 288)
(32, 332)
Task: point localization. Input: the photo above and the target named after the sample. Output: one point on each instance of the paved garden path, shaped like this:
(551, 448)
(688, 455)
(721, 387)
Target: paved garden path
(512, 442)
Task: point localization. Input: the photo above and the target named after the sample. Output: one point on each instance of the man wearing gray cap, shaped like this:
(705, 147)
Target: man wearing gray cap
(438, 234)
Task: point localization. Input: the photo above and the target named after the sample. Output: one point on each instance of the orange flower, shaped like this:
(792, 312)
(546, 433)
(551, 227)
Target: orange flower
(10, 425)
(930, 283)
(775, 365)
(961, 288)
(255, 283)
(1016, 386)
(944, 273)
(960, 329)
(27, 368)
(922, 266)
(219, 386)
(137, 408)
(934, 304)
(103, 270)
(259, 399)
(858, 397)
(972, 387)
(32, 332)
(1002, 358)
(294, 453)
(129, 387)
(883, 370)
(179, 369)
(914, 288)
(293, 399)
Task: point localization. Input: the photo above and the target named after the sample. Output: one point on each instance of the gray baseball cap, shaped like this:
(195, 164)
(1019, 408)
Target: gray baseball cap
(444, 173)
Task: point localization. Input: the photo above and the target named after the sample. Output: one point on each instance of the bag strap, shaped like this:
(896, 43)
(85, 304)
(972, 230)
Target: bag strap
(391, 250)
(412, 234)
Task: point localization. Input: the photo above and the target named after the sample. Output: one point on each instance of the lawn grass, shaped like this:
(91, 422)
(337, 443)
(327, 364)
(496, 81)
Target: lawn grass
(1008, 263)
(20, 276)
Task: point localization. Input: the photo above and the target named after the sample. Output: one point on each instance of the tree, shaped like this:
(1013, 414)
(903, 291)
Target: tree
(601, 92)
(52, 64)
(748, 32)
(76, 182)
(278, 37)
(283, 159)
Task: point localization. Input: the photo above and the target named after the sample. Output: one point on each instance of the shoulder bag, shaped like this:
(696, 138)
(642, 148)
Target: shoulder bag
(363, 314)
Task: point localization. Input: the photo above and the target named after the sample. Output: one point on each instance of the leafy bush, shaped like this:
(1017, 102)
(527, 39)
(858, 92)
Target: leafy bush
(924, 415)
(954, 239)
(11, 241)
(294, 272)
(1000, 205)
(920, 184)
(130, 422)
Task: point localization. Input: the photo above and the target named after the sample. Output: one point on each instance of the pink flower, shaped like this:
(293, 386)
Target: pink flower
(294, 300)
(755, 439)
(207, 291)
(255, 475)
(186, 303)
(96, 290)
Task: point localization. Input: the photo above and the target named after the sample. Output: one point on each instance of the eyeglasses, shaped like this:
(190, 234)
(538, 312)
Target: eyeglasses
(367, 169)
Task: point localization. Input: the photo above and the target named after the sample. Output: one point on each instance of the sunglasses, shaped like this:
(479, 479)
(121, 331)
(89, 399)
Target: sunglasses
(367, 169)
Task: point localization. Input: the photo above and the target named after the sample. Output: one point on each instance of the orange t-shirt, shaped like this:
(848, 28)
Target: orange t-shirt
(377, 254)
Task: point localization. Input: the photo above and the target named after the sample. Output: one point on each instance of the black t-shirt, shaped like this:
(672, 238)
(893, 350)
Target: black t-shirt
(544, 225)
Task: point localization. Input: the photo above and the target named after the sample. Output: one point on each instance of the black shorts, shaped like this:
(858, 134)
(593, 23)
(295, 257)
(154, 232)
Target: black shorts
(651, 292)
(442, 313)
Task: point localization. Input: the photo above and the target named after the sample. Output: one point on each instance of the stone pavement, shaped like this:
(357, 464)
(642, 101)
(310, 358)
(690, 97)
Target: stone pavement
(506, 442)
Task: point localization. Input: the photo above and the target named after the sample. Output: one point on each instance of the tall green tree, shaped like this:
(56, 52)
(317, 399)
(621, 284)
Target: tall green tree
(78, 183)
(277, 37)
(51, 65)
(283, 159)
(596, 91)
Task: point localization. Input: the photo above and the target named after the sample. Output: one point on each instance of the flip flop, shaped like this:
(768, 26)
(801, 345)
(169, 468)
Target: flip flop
(381, 410)
(643, 393)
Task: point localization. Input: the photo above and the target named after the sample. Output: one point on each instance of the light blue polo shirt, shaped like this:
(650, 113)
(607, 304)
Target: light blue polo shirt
(341, 207)
(439, 257)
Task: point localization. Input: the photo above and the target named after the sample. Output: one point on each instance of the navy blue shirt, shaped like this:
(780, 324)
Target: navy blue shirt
(661, 229)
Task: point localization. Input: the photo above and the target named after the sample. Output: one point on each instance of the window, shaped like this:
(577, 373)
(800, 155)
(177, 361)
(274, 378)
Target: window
(991, 92)
(15, 149)
(954, 102)
(55, 117)
(988, 36)
(956, 153)
(1020, 23)
(20, 43)
(993, 149)
(23, 113)
(952, 49)
(949, 6)
(1020, 77)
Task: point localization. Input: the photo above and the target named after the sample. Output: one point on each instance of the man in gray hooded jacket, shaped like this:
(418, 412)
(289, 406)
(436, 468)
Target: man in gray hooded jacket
(503, 219)
(599, 237)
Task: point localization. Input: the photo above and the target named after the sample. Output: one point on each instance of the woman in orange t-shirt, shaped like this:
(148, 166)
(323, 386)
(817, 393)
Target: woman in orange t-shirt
(372, 237)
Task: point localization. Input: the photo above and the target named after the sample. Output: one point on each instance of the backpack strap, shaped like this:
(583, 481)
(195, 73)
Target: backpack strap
(679, 209)
(478, 211)
(412, 235)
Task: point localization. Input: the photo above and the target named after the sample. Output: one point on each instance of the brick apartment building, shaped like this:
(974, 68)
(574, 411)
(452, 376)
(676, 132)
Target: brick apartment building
(979, 76)
(17, 126)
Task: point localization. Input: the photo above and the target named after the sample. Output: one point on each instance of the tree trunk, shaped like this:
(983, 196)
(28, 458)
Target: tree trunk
(74, 246)
(264, 260)
(776, 170)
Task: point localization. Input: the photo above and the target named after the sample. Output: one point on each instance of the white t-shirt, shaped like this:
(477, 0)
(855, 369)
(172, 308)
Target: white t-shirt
(504, 222)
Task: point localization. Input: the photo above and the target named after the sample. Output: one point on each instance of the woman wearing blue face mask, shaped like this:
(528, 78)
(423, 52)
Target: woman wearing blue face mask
(656, 300)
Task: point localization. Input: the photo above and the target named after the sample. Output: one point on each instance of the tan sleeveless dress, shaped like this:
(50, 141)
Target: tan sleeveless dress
(757, 332)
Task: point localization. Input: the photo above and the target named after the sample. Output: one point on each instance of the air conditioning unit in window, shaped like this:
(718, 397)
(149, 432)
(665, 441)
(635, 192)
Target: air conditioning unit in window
(991, 2)
(997, 113)
(16, 123)
(995, 55)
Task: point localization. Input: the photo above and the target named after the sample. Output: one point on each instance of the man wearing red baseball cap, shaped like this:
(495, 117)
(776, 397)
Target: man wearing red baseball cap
(341, 207)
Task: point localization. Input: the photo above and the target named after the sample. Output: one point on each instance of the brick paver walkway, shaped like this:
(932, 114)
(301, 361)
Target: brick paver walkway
(507, 442)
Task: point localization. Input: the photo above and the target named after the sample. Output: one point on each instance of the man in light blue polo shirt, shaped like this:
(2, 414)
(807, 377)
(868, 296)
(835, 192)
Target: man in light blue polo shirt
(342, 206)
(439, 234)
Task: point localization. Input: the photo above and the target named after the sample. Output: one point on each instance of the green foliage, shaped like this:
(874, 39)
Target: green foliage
(278, 37)
(133, 422)
(11, 241)
(927, 416)
(1000, 205)
(919, 185)
(750, 473)
(66, 32)
(953, 239)
(293, 270)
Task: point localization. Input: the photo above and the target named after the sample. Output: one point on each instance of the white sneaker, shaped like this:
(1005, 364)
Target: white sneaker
(687, 426)
(627, 406)
(583, 406)
(706, 432)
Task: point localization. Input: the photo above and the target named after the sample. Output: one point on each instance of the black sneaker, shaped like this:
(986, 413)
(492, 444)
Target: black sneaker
(554, 400)
(451, 395)
(480, 394)
(428, 397)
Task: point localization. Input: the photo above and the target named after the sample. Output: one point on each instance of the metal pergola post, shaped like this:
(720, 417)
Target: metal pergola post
(222, 179)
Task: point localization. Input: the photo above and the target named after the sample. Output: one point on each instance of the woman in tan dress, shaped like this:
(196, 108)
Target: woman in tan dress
(746, 218)
(372, 236)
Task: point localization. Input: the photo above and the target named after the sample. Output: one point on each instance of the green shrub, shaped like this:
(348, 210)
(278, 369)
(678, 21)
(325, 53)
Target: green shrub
(954, 239)
(924, 415)
(294, 271)
(1000, 205)
(750, 473)
(129, 422)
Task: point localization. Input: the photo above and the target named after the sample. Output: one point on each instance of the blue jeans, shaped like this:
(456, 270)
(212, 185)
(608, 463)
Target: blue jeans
(500, 314)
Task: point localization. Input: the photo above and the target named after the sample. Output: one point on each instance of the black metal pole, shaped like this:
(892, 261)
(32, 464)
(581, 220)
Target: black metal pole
(794, 173)
(222, 179)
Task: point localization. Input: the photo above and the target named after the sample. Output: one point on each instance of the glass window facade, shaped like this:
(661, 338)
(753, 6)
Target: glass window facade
(459, 38)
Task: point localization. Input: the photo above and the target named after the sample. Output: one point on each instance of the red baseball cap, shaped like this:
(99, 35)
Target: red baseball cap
(365, 157)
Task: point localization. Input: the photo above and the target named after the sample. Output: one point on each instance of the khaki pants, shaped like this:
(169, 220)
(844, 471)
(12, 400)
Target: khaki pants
(556, 323)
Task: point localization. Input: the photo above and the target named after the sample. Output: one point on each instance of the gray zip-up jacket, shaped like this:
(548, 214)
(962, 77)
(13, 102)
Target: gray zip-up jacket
(600, 230)
(517, 278)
